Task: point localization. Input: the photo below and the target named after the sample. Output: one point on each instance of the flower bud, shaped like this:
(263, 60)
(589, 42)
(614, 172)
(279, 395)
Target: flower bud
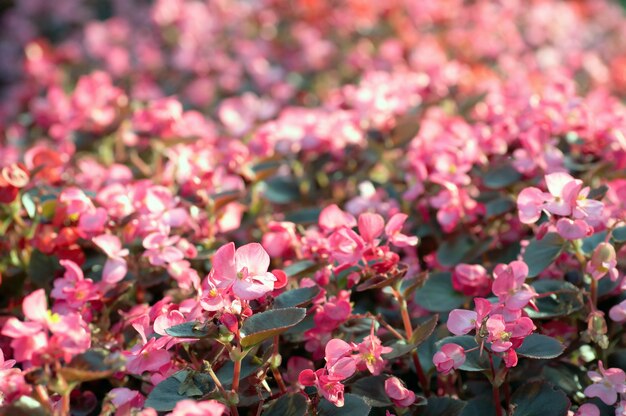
(603, 261)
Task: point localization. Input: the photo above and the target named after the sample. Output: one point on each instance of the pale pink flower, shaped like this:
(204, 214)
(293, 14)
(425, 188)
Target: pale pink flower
(203, 408)
(370, 351)
(509, 285)
(618, 312)
(332, 218)
(573, 229)
(530, 203)
(606, 384)
(462, 321)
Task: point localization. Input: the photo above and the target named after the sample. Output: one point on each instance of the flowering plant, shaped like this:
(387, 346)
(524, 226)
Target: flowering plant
(305, 207)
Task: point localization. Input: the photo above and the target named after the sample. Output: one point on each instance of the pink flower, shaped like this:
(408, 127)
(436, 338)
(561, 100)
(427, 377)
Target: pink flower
(618, 312)
(332, 218)
(370, 351)
(146, 357)
(471, 280)
(331, 389)
(530, 203)
(588, 409)
(399, 395)
(564, 190)
(115, 268)
(509, 285)
(451, 356)
(573, 229)
(73, 288)
(603, 261)
(606, 384)
(204, 408)
(212, 299)
(161, 249)
(346, 246)
(244, 271)
(502, 335)
(393, 230)
(339, 361)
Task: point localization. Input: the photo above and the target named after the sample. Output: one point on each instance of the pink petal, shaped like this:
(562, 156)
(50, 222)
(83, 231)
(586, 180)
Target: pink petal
(108, 243)
(114, 270)
(35, 306)
(461, 321)
(557, 181)
(332, 217)
(370, 226)
(254, 257)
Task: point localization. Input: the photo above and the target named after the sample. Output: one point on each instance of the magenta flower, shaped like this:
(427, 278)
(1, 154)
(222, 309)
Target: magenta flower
(339, 361)
(471, 280)
(393, 230)
(370, 227)
(331, 389)
(244, 271)
(606, 384)
(450, 357)
(509, 285)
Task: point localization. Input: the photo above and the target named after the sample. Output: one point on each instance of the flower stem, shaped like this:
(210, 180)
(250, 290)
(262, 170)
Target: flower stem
(496, 389)
(236, 374)
(408, 328)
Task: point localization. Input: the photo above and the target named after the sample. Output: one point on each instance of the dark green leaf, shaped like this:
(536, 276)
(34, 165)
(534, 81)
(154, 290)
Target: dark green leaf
(566, 376)
(540, 254)
(304, 216)
(167, 393)
(288, 405)
(281, 190)
(480, 406)
(534, 399)
(565, 300)
(188, 330)
(400, 348)
(499, 206)
(437, 294)
(42, 268)
(353, 406)
(296, 297)
(442, 406)
(226, 373)
(300, 268)
(619, 234)
(598, 193)
(264, 325)
(452, 252)
(90, 365)
(590, 243)
(424, 330)
(540, 347)
(372, 390)
(501, 177)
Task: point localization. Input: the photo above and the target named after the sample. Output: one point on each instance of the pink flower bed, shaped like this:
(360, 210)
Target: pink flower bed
(306, 207)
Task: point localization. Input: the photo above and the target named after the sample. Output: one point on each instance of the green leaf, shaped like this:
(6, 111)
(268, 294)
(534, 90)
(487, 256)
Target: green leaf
(619, 234)
(353, 406)
(590, 243)
(264, 325)
(566, 376)
(281, 190)
(501, 177)
(289, 404)
(304, 216)
(296, 297)
(540, 347)
(540, 254)
(226, 373)
(94, 364)
(534, 399)
(474, 361)
(424, 330)
(480, 406)
(372, 390)
(452, 252)
(188, 330)
(442, 406)
(565, 300)
(42, 268)
(167, 393)
(438, 295)
(400, 348)
(300, 268)
(499, 206)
